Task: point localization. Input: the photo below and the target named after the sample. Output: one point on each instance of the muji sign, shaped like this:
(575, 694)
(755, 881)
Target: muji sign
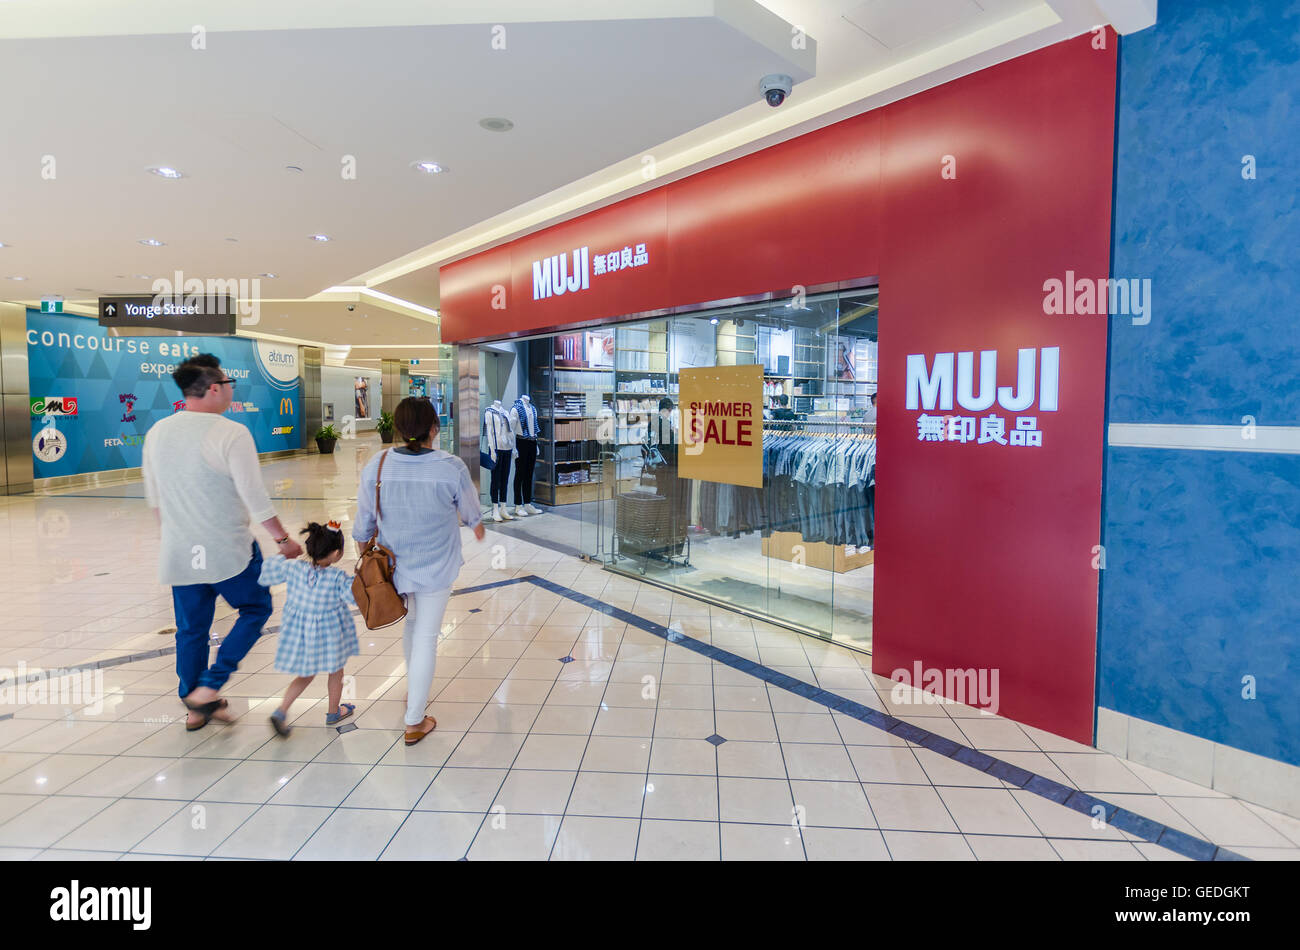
(931, 387)
(551, 276)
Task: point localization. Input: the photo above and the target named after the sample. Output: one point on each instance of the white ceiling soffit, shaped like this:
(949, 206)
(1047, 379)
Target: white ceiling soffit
(34, 19)
(409, 80)
(1127, 16)
(939, 40)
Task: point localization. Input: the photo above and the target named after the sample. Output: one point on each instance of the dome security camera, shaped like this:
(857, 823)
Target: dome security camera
(351, 308)
(776, 88)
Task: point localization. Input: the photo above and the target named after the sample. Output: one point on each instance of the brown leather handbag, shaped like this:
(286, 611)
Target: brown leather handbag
(372, 587)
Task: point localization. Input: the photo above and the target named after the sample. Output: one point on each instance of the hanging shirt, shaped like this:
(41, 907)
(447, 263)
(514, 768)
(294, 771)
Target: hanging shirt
(523, 419)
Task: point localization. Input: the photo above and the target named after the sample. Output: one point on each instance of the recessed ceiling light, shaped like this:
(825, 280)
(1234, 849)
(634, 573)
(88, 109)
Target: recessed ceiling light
(143, 277)
(296, 169)
(429, 168)
(151, 242)
(233, 240)
(84, 290)
(17, 278)
(3, 244)
(271, 276)
(347, 329)
(714, 321)
(320, 237)
(164, 171)
(496, 124)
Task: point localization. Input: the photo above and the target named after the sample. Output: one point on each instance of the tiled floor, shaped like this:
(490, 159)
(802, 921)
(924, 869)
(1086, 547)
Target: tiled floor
(607, 756)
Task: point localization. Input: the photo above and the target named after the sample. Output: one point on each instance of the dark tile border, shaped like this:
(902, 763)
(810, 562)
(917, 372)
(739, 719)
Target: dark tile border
(1121, 818)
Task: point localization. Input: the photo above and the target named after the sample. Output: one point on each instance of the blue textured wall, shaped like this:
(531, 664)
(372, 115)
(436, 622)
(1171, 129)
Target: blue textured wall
(1202, 581)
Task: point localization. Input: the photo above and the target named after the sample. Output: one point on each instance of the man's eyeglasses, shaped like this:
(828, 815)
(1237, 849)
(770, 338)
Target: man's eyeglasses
(222, 382)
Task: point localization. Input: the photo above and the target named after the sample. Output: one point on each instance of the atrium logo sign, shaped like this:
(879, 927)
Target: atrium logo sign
(551, 277)
(930, 388)
(278, 363)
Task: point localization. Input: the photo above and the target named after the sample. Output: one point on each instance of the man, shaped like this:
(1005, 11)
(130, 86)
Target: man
(201, 473)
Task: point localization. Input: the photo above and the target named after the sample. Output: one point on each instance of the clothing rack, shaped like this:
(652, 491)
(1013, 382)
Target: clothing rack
(787, 425)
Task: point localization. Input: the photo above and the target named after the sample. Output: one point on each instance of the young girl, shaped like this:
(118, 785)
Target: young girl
(317, 632)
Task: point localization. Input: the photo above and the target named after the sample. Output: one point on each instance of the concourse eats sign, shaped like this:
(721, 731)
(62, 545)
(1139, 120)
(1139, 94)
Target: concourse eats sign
(722, 425)
(96, 394)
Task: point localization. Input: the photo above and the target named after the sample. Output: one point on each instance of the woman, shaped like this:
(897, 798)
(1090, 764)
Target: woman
(422, 491)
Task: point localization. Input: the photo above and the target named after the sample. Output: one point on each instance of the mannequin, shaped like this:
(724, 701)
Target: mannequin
(664, 432)
(500, 446)
(524, 427)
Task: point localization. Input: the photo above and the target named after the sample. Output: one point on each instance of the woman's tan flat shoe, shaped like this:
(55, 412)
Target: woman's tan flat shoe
(419, 732)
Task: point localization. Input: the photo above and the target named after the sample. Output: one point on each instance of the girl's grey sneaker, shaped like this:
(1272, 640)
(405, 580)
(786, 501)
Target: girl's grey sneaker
(345, 710)
(280, 725)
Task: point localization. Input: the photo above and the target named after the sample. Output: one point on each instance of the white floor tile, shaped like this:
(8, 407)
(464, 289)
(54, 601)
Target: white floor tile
(352, 834)
(927, 846)
(679, 841)
(596, 839)
(197, 829)
(514, 838)
(742, 842)
(433, 836)
(529, 792)
(681, 796)
(320, 783)
(608, 794)
(390, 787)
(274, 832)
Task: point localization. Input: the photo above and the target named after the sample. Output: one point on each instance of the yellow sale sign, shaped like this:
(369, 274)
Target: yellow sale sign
(722, 425)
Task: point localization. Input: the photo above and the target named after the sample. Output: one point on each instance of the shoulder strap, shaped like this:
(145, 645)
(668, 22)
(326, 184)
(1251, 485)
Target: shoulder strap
(378, 478)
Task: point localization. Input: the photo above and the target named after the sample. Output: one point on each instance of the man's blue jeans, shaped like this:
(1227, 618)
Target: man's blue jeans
(195, 604)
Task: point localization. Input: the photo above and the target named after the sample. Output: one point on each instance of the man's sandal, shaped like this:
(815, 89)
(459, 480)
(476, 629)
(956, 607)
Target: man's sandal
(205, 710)
(415, 735)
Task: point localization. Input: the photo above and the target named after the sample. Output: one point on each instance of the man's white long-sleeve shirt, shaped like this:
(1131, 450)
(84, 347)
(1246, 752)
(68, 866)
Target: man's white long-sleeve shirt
(201, 472)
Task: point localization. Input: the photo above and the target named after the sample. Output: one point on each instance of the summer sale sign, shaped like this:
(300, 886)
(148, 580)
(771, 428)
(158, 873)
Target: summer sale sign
(722, 425)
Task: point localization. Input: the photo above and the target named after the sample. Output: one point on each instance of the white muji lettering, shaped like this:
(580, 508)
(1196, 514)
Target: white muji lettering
(73, 903)
(1022, 397)
(928, 390)
(930, 386)
(988, 380)
(551, 277)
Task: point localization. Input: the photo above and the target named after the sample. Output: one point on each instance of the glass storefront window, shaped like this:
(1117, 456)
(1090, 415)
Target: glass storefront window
(798, 550)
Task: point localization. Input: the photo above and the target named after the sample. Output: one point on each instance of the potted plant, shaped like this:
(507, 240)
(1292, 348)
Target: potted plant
(385, 426)
(326, 436)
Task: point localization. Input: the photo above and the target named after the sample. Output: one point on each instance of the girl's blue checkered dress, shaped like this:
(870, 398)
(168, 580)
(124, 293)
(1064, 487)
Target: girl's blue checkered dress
(317, 632)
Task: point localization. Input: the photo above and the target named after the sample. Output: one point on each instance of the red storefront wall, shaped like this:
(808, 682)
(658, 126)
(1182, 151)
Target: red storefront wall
(984, 553)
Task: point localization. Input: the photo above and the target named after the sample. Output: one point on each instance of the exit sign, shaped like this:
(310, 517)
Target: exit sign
(52, 305)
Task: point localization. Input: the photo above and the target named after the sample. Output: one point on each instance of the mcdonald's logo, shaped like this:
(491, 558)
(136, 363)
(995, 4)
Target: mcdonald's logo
(286, 406)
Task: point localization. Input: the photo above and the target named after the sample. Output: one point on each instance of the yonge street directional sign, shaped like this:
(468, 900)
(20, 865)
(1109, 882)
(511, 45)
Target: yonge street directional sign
(208, 315)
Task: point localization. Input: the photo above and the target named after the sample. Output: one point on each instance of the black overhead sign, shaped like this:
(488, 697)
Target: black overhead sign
(209, 315)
